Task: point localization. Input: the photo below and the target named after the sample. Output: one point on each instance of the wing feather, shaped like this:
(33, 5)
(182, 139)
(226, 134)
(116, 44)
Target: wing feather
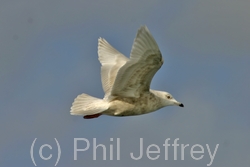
(135, 76)
(111, 60)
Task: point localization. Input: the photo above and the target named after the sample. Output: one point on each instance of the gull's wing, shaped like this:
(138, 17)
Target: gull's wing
(135, 76)
(111, 61)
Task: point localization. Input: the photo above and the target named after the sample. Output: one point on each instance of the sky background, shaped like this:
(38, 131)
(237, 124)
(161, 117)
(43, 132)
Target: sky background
(48, 55)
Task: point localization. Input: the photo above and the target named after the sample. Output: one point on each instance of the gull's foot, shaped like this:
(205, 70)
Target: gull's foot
(92, 116)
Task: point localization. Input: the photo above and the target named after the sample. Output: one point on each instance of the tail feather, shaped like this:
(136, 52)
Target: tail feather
(87, 105)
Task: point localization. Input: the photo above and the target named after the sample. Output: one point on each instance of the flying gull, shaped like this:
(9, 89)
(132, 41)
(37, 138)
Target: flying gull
(126, 81)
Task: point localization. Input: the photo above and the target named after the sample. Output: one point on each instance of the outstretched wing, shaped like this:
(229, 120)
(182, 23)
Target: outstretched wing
(135, 76)
(111, 61)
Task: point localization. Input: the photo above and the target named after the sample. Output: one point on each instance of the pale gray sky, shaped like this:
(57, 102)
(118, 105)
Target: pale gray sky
(49, 56)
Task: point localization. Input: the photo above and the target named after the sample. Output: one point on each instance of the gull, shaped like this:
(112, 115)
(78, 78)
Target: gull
(126, 81)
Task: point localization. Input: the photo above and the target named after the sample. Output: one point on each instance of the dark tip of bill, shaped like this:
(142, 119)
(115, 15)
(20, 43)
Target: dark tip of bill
(181, 105)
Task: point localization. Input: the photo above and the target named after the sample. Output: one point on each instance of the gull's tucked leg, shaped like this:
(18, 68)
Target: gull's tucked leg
(92, 116)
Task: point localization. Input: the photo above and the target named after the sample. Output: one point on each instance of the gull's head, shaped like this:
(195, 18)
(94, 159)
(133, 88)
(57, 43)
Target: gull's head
(167, 99)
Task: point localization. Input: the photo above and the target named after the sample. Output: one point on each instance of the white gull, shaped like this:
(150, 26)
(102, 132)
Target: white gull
(126, 82)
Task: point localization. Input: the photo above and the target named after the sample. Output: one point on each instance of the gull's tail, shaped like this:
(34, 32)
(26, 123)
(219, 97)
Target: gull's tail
(88, 106)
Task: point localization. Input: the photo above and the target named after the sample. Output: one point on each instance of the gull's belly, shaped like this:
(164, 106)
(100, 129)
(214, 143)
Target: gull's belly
(133, 106)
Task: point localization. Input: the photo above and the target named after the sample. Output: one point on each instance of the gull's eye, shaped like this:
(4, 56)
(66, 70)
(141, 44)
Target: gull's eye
(169, 97)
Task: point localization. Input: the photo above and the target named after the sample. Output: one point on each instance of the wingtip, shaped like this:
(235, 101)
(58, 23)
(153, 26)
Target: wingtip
(100, 39)
(143, 27)
(143, 30)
